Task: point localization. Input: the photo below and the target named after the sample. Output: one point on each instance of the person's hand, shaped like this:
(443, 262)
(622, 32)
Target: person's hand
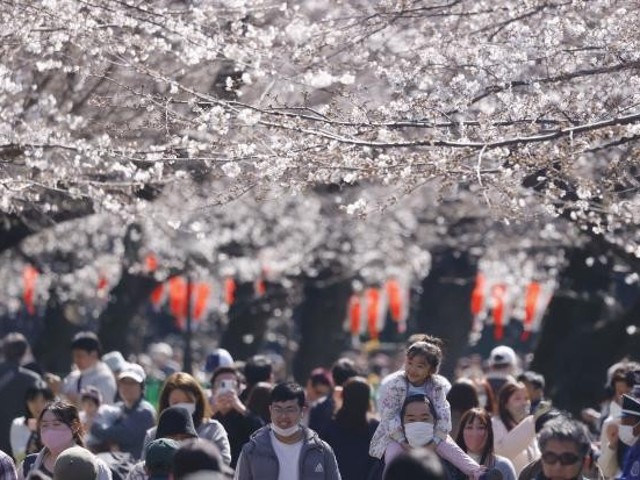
(479, 473)
(612, 434)
(32, 424)
(228, 400)
(54, 382)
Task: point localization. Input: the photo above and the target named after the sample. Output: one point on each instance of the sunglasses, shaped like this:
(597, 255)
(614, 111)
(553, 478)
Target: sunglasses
(566, 458)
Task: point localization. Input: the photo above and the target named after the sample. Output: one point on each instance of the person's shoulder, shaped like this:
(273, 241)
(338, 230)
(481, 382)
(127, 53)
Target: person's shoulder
(394, 380)
(19, 422)
(5, 457)
(145, 405)
(29, 375)
(504, 462)
(258, 439)
(73, 374)
(440, 380)
(211, 424)
(103, 370)
(313, 438)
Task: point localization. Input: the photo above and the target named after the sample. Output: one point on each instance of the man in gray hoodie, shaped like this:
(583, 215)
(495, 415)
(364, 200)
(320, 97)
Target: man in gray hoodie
(285, 449)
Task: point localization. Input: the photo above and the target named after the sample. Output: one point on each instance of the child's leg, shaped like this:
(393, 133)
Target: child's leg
(393, 450)
(450, 451)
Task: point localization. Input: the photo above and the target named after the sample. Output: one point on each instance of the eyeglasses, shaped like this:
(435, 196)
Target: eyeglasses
(289, 411)
(566, 458)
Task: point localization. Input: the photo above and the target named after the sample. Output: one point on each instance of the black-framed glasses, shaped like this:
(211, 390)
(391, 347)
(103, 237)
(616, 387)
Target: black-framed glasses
(566, 458)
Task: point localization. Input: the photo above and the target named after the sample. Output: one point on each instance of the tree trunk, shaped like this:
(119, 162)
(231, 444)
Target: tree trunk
(247, 326)
(320, 319)
(119, 321)
(576, 344)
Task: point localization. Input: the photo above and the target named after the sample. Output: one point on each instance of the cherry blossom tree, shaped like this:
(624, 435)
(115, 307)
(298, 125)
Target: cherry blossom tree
(523, 112)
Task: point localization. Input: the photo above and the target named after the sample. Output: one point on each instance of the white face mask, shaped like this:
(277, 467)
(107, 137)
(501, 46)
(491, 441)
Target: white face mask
(625, 433)
(418, 433)
(482, 399)
(285, 432)
(520, 412)
(189, 407)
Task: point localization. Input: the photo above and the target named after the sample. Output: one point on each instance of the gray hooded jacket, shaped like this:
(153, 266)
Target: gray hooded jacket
(258, 459)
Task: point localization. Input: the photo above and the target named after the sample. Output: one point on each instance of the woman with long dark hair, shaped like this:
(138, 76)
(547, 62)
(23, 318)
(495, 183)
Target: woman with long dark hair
(349, 432)
(475, 437)
(514, 428)
(60, 429)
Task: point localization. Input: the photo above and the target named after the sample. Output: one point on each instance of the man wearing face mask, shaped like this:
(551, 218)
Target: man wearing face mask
(628, 433)
(285, 449)
(418, 419)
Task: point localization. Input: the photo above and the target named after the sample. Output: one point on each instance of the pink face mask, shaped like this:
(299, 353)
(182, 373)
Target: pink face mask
(56, 439)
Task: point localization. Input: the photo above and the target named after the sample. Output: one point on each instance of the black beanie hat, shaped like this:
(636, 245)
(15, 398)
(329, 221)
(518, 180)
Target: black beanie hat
(198, 455)
(175, 421)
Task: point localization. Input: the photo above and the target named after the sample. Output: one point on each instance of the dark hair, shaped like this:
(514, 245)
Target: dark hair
(259, 399)
(504, 395)
(430, 351)
(87, 341)
(534, 378)
(418, 463)
(424, 337)
(287, 391)
(68, 414)
(487, 456)
(321, 376)
(14, 346)
(566, 430)
(463, 396)
(356, 403)
(220, 370)
(196, 455)
(417, 398)
(33, 392)
(491, 405)
(342, 370)
(258, 369)
(185, 382)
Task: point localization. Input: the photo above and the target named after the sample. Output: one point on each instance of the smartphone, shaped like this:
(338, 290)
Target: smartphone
(226, 386)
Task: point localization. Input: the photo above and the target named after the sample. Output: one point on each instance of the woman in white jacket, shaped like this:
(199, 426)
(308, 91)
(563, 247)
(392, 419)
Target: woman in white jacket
(60, 429)
(514, 432)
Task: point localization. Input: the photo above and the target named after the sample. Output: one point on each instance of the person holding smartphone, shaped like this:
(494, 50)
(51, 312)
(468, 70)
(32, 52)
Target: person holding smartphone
(228, 409)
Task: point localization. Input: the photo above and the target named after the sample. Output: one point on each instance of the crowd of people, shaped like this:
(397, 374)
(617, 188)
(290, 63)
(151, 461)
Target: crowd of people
(237, 420)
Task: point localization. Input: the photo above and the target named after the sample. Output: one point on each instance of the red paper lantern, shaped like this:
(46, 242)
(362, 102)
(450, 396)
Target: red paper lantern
(229, 291)
(498, 293)
(178, 299)
(355, 315)
(202, 292)
(477, 295)
(29, 278)
(372, 296)
(151, 262)
(532, 308)
(394, 294)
